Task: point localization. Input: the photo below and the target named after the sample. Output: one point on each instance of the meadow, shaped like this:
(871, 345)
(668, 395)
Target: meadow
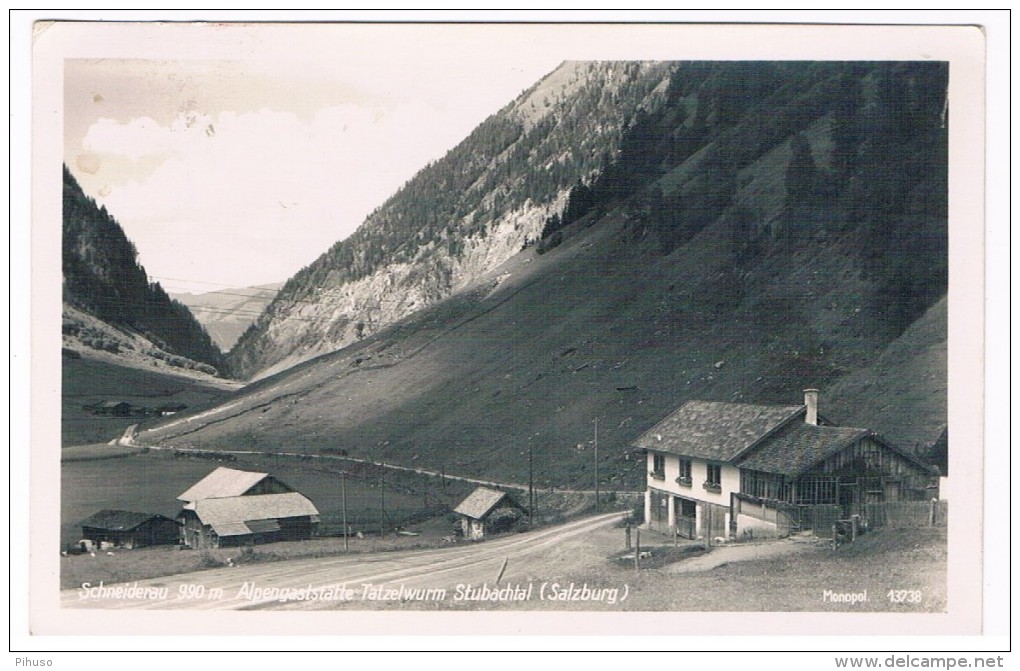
(150, 482)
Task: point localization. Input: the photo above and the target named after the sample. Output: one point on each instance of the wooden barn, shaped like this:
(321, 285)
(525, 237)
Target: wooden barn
(488, 511)
(122, 528)
(111, 408)
(230, 507)
(716, 469)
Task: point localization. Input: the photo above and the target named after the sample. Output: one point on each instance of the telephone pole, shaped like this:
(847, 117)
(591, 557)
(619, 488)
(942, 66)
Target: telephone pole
(343, 506)
(531, 482)
(596, 465)
(382, 502)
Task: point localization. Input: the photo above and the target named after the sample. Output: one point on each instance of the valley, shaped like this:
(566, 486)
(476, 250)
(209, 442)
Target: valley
(619, 240)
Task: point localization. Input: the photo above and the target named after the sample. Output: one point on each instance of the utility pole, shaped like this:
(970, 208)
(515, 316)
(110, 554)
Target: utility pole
(343, 506)
(382, 502)
(596, 465)
(531, 482)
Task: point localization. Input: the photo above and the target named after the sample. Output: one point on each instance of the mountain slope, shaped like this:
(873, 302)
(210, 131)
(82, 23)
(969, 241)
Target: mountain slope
(226, 314)
(459, 217)
(737, 248)
(102, 278)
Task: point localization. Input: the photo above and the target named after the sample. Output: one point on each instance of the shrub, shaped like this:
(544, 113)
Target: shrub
(209, 560)
(545, 244)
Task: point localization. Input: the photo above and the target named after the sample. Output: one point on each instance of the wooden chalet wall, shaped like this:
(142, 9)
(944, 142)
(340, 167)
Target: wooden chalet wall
(868, 458)
(193, 532)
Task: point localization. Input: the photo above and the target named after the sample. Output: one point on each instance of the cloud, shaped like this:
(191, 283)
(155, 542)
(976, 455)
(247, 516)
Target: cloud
(279, 186)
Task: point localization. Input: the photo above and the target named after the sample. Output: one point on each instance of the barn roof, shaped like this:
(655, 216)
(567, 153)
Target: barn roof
(120, 520)
(112, 404)
(239, 515)
(795, 450)
(222, 483)
(480, 502)
(716, 431)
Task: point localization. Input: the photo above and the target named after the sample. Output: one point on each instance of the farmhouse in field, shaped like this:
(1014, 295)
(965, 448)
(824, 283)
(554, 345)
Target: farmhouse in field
(721, 469)
(229, 507)
(488, 511)
(122, 528)
(112, 408)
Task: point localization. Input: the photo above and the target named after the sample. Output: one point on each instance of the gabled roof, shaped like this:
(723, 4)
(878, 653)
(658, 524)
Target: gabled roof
(799, 447)
(112, 404)
(480, 502)
(231, 516)
(222, 483)
(120, 520)
(716, 431)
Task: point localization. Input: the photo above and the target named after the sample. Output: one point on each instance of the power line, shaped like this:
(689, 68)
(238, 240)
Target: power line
(214, 284)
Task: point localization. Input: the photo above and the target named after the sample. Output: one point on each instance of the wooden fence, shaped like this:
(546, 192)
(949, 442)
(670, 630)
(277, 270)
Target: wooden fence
(891, 514)
(906, 513)
(819, 519)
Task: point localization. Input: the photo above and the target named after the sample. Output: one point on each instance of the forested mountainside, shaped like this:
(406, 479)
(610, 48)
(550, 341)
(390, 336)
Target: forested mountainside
(459, 217)
(102, 278)
(866, 151)
(762, 228)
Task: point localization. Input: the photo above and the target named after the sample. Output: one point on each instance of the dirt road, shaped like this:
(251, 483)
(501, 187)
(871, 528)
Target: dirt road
(433, 578)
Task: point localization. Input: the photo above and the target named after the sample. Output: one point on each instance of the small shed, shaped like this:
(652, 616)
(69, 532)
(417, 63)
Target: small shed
(112, 408)
(488, 510)
(124, 528)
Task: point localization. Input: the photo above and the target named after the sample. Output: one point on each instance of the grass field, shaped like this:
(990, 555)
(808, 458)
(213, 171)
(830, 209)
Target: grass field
(598, 328)
(130, 565)
(86, 381)
(151, 483)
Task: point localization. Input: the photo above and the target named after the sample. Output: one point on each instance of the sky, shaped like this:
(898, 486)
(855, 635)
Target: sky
(240, 170)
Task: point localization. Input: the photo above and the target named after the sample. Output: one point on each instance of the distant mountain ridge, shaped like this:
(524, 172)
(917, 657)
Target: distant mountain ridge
(102, 278)
(226, 313)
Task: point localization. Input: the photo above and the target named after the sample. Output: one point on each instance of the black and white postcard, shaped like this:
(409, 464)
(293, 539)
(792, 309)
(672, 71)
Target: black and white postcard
(551, 328)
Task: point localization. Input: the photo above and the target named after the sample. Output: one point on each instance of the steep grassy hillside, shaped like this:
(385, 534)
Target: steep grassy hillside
(904, 392)
(533, 354)
(765, 228)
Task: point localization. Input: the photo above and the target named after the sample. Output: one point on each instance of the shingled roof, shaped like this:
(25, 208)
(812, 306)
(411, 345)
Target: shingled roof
(120, 520)
(478, 504)
(240, 515)
(716, 431)
(796, 449)
(223, 483)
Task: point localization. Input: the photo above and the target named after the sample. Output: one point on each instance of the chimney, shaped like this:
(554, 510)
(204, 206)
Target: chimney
(811, 401)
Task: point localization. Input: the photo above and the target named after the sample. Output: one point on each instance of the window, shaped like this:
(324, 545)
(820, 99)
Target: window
(658, 466)
(685, 473)
(765, 485)
(713, 482)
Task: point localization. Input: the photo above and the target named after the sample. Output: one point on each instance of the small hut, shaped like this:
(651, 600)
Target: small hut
(488, 511)
(122, 528)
